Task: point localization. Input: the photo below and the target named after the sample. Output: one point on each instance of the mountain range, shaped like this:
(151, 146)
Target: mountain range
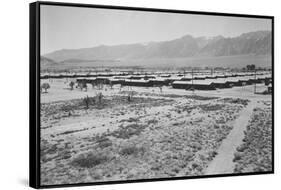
(257, 43)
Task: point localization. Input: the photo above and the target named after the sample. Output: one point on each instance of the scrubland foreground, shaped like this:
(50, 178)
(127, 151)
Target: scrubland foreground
(255, 153)
(150, 136)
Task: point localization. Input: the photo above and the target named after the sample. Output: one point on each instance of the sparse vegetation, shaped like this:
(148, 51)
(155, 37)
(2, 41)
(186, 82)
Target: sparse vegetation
(103, 142)
(211, 107)
(151, 135)
(125, 132)
(152, 121)
(243, 102)
(89, 159)
(255, 154)
(131, 150)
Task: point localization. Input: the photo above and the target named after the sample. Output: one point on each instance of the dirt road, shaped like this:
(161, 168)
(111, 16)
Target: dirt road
(222, 163)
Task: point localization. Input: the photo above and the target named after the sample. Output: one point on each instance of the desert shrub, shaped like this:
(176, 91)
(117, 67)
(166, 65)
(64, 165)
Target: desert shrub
(46, 148)
(87, 102)
(104, 142)
(176, 124)
(96, 174)
(156, 166)
(90, 159)
(66, 107)
(196, 97)
(216, 126)
(195, 165)
(212, 154)
(172, 95)
(65, 154)
(131, 150)
(188, 156)
(130, 120)
(235, 101)
(152, 121)
(179, 111)
(196, 146)
(125, 132)
(255, 153)
(210, 107)
(237, 156)
(241, 148)
(188, 109)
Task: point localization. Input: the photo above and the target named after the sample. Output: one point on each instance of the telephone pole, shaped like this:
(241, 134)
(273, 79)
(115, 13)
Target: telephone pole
(192, 76)
(255, 82)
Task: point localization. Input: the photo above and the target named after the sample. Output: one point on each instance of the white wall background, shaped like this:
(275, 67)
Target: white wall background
(14, 73)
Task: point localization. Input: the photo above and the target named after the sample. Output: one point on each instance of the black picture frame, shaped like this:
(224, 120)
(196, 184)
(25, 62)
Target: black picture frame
(34, 91)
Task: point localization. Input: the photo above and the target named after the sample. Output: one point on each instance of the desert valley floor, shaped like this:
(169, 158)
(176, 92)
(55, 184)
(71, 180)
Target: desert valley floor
(172, 133)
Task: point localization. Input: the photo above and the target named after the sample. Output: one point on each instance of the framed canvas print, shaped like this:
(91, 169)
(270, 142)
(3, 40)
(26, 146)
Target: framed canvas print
(123, 94)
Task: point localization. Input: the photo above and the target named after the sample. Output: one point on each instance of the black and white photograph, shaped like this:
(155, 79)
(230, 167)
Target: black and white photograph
(128, 95)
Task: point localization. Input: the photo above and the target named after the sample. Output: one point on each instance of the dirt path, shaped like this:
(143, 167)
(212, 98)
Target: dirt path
(222, 163)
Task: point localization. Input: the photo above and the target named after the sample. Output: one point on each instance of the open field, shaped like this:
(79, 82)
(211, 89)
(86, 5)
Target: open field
(154, 135)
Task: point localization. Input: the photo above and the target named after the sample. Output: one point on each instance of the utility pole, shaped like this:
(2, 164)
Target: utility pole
(192, 76)
(255, 82)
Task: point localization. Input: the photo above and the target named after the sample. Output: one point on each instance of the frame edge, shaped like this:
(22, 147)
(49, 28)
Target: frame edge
(34, 172)
(34, 107)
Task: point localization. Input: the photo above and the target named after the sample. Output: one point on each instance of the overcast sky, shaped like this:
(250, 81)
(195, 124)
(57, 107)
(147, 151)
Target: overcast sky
(76, 27)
